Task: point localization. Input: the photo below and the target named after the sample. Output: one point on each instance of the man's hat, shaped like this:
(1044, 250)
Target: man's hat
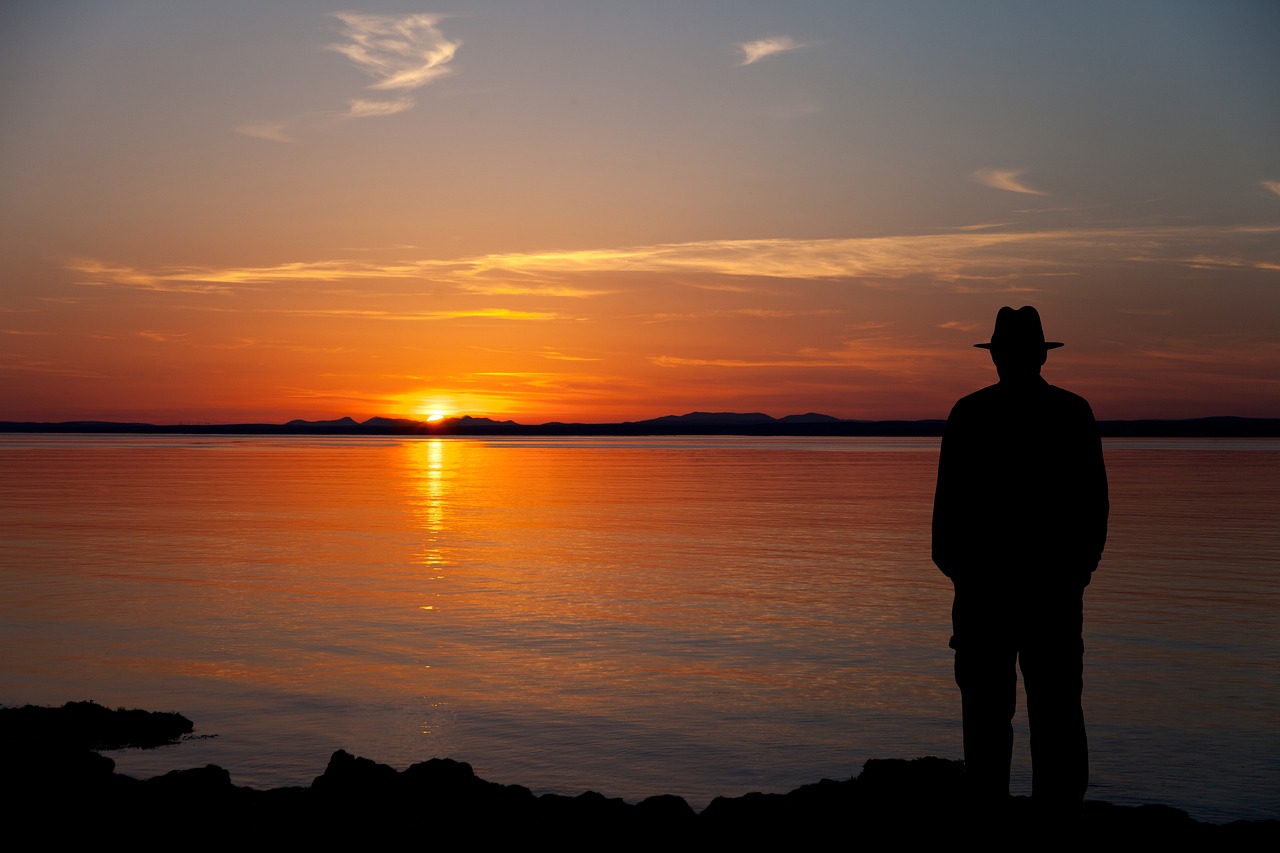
(1019, 329)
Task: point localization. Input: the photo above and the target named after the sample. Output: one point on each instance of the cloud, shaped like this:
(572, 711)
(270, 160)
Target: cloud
(360, 108)
(1209, 262)
(950, 256)
(560, 356)
(982, 226)
(776, 313)
(465, 314)
(102, 273)
(754, 51)
(37, 365)
(1273, 186)
(964, 259)
(676, 361)
(1005, 179)
(509, 289)
(164, 337)
(276, 131)
(402, 52)
(867, 353)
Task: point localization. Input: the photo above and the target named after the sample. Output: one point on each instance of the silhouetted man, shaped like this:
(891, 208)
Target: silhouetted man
(1019, 522)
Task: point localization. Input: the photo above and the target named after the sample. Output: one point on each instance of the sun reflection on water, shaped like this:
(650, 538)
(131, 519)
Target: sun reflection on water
(431, 482)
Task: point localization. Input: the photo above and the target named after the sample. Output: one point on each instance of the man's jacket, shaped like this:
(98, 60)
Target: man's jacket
(1022, 489)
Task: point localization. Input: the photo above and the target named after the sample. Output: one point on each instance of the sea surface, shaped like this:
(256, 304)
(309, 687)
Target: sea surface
(696, 616)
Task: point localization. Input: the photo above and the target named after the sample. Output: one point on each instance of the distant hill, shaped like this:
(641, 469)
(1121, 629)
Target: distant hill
(710, 418)
(343, 423)
(809, 418)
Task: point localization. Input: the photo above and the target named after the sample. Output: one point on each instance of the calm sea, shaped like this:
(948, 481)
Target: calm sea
(696, 616)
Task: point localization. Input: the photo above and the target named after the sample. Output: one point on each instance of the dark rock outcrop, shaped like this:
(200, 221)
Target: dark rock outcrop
(88, 725)
(358, 801)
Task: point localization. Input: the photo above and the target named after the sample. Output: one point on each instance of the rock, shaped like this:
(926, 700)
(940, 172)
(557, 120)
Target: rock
(51, 772)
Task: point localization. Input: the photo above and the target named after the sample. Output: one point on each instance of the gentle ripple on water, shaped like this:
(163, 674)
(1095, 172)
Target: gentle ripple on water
(697, 616)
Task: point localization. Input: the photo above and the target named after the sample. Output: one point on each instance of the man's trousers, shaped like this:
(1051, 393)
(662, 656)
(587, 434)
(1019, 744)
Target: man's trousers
(1040, 631)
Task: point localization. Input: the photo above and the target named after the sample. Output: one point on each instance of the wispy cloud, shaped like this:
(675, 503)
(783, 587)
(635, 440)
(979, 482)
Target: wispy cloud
(224, 279)
(511, 289)
(98, 272)
(677, 361)
(777, 313)
(402, 53)
(1005, 179)
(164, 337)
(754, 51)
(36, 365)
(946, 256)
(275, 131)
(960, 258)
(479, 313)
(360, 108)
(1209, 262)
(866, 353)
(560, 356)
(982, 226)
(1273, 186)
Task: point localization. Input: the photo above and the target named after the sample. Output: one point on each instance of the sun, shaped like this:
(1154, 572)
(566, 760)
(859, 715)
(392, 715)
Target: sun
(435, 406)
(434, 409)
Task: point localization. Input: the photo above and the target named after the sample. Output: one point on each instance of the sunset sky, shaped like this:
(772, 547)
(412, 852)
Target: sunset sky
(590, 210)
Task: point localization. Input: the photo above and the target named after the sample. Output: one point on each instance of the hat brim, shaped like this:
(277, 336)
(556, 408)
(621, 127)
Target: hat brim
(1046, 345)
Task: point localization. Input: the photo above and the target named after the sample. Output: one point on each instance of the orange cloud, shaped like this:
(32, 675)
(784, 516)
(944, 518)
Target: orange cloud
(956, 257)
(1005, 179)
(754, 51)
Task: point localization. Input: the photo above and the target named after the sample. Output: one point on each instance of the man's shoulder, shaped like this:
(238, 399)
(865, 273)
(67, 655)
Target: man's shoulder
(983, 398)
(1066, 399)
(995, 399)
(980, 396)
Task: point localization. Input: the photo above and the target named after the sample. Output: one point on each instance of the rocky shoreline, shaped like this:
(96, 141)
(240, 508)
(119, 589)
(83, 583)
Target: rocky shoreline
(56, 779)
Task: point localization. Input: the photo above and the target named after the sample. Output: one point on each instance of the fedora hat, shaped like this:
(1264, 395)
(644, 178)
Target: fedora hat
(1019, 329)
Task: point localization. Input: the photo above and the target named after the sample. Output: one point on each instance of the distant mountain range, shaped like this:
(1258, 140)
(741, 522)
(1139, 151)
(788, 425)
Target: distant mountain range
(693, 423)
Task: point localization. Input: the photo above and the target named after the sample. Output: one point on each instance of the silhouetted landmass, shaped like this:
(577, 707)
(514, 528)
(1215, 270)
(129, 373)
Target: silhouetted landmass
(694, 423)
(711, 418)
(809, 418)
(88, 725)
(63, 790)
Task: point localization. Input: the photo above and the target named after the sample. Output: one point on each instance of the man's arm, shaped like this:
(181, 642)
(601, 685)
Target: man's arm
(1097, 502)
(945, 499)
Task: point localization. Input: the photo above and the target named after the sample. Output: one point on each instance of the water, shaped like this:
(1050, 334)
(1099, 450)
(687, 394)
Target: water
(697, 616)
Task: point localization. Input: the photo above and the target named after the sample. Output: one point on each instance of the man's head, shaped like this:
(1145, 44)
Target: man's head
(1017, 345)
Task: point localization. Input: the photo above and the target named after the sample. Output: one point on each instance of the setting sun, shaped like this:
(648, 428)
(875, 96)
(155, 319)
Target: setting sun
(434, 410)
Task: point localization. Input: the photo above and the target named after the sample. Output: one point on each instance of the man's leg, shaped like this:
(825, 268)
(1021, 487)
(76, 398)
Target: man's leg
(987, 676)
(1053, 673)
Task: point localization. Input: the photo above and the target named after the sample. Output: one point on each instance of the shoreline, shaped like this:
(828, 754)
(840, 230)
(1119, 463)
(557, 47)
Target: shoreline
(54, 764)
